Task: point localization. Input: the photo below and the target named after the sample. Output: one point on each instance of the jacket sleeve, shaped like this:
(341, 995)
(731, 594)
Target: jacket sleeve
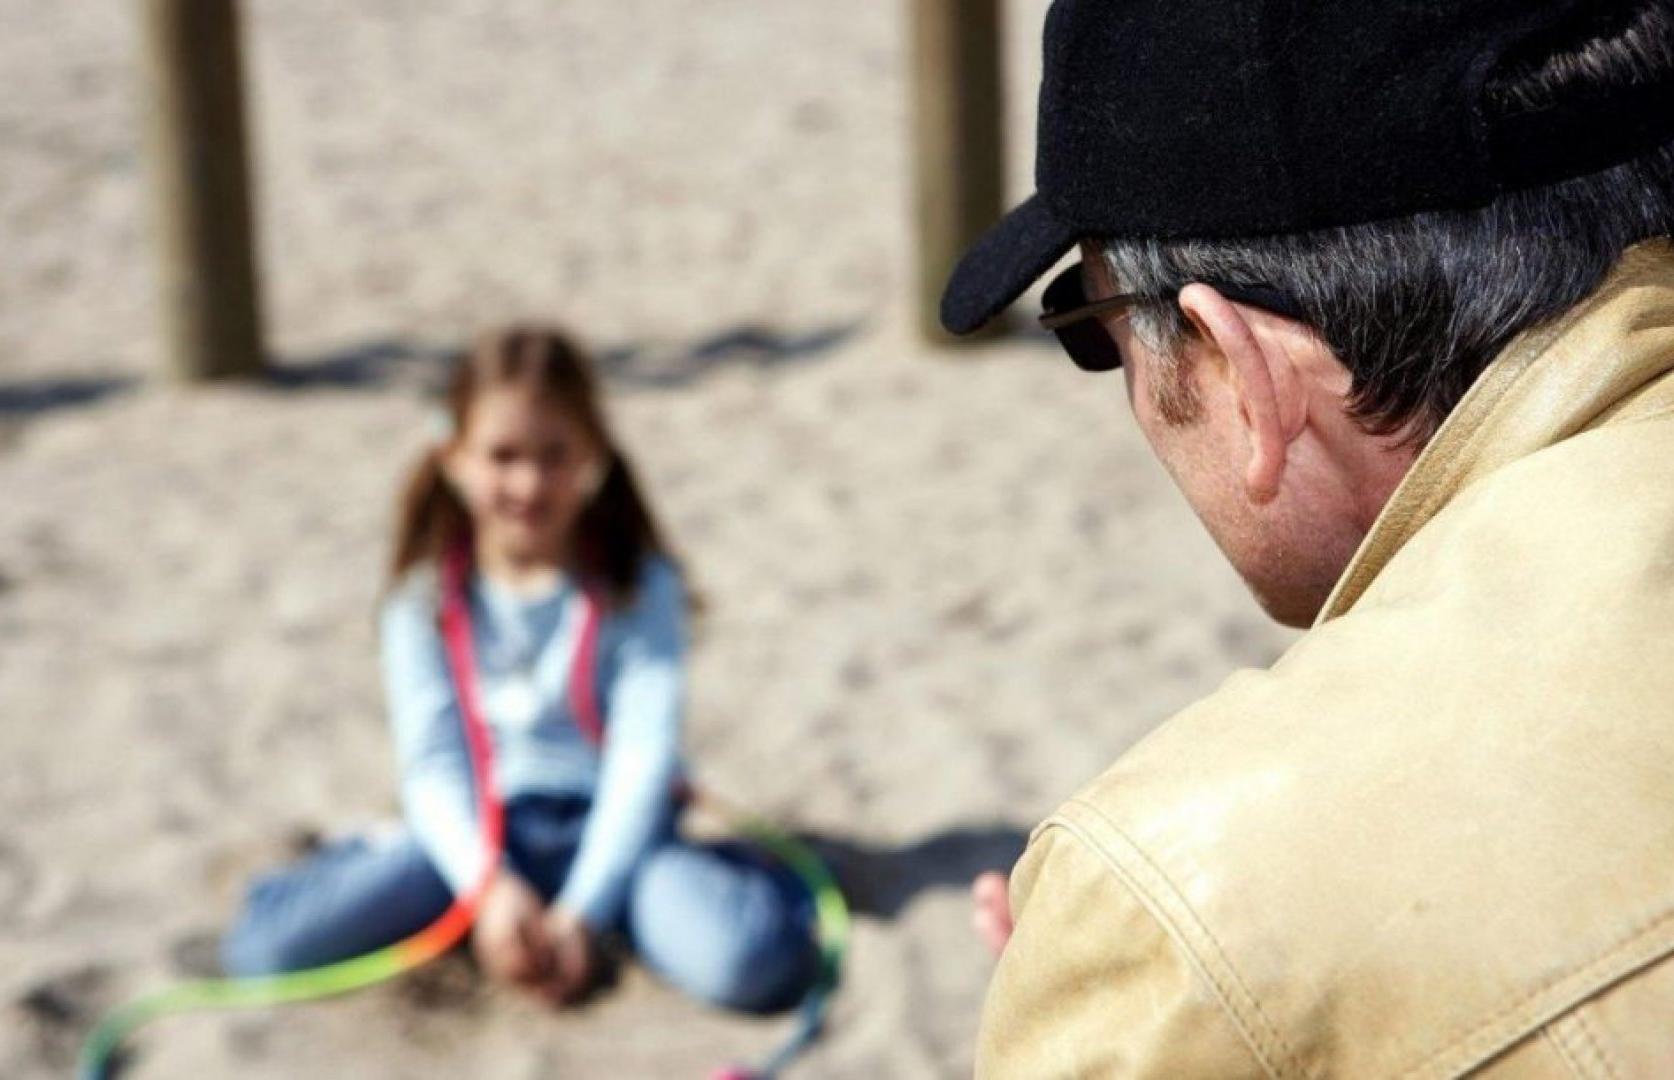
(1091, 985)
(643, 703)
(438, 797)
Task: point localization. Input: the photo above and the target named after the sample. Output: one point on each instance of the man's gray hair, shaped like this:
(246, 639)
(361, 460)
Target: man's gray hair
(1416, 307)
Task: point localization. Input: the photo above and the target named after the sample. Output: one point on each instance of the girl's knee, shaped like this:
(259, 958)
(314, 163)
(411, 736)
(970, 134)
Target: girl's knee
(769, 978)
(726, 934)
(245, 954)
(741, 975)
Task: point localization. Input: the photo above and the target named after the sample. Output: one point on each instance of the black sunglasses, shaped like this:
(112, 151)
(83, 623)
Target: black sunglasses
(1075, 320)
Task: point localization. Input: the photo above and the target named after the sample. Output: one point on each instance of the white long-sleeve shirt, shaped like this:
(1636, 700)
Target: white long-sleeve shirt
(525, 649)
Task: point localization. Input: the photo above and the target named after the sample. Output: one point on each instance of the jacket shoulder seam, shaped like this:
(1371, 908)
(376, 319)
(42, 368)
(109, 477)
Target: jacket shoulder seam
(1202, 949)
(1579, 1046)
(1600, 1053)
(1558, 1035)
(1643, 945)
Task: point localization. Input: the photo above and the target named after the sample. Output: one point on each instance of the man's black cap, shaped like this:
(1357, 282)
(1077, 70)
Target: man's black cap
(1216, 119)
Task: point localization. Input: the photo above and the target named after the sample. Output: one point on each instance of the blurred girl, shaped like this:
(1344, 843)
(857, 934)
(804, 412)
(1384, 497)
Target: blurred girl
(531, 479)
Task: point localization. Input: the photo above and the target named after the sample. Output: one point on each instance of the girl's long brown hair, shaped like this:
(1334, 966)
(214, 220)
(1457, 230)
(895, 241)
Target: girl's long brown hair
(614, 532)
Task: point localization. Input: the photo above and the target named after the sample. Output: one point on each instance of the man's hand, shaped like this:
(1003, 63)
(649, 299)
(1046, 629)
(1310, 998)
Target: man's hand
(991, 914)
(575, 957)
(510, 940)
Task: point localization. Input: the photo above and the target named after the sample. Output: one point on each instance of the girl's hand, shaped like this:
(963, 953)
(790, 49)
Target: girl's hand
(575, 957)
(510, 940)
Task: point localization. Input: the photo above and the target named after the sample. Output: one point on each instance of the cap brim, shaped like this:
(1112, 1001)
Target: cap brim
(1006, 261)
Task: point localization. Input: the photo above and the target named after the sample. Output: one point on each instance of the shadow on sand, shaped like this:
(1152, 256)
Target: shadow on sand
(882, 880)
(667, 365)
(37, 397)
(374, 362)
(746, 345)
(384, 361)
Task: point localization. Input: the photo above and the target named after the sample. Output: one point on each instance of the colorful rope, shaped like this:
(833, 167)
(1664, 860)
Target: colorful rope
(831, 931)
(101, 1052)
(102, 1048)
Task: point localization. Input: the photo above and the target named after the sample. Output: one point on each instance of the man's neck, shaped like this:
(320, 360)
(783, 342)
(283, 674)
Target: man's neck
(1377, 474)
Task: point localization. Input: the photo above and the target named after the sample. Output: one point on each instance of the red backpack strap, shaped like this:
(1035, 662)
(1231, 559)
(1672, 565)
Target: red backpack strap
(462, 667)
(584, 686)
(584, 672)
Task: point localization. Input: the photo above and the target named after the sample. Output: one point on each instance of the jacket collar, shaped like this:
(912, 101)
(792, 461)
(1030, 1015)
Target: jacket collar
(1600, 363)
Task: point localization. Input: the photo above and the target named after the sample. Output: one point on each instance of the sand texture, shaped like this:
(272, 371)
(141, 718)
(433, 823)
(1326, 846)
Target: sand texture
(943, 590)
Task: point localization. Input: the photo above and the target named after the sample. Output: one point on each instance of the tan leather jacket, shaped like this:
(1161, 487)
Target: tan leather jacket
(1438, 835)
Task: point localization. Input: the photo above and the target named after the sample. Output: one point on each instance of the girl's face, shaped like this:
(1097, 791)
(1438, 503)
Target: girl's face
(524, 468)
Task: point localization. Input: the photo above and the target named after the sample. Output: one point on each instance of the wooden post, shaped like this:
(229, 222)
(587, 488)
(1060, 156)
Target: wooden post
(201, 188)
(958, 138)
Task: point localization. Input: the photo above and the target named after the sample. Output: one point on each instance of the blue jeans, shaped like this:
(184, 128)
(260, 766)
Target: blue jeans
(715, 920)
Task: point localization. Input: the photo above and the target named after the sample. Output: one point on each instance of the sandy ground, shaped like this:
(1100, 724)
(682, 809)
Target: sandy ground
(942, 591)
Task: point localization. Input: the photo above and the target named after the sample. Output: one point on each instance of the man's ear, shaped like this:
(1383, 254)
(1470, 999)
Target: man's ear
(1271, 399)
